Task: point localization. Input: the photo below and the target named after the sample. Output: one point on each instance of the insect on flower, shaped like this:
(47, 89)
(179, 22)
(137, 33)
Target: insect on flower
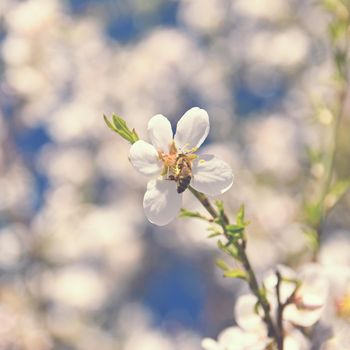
(176, 164)
(183, 173)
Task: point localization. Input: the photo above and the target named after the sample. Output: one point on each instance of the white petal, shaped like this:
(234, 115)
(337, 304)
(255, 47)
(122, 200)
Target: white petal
(211, 175)
(315, 286)
(192, 129)
(295, 340)
(245, 314)
(302, 317)
(161, 201)
(144, 158)
(286, 287)
(234, 338)
(231, 338)
(310, 297)
(210, 344)
(160, 132)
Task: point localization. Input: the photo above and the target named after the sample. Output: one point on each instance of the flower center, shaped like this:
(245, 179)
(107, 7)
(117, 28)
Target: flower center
(174, 162)
(169, 160)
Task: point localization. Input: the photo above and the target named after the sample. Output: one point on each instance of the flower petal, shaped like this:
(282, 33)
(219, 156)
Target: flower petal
(234, 338)
(231, 338)
(192, 129)
(160, 132)
(211, 175)
(310, 297)
(246, 316)
(144, 157)
(302, 317)
(315, 285)
(210, 344)
(287, 287)
(295, 340)
(161, 201)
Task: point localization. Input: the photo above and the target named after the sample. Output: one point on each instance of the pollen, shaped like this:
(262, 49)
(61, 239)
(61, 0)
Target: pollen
(187, 150)
(169, 160)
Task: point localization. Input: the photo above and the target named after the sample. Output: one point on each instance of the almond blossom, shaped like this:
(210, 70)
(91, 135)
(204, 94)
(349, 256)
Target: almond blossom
(251, 332)
(307, 303)
(304, 304)
(205, 173)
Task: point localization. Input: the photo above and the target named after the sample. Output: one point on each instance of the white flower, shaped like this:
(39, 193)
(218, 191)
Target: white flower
(235, 338)
(307, 305)
(310, 299)
(305, 308)
(165, 158)
(251, 333)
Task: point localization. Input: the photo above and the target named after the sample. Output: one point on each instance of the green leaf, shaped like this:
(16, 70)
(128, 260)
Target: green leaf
(221, 264)
(313, 213)
(335, 193)
(236, 273)
(221, 245)
(108, 123)
(257, 307)
(120, 127)
(135, 135)
(240, 216)
(312, 237)
(222, 218)
(120, 124)
(217, 221)
(230, 272)
(263, 295)
(184, 213)
(234, 229)
(340, 57)
(338, 30)
(291, 280)
(336, 7)
(220, 205)
(314, 155)
(214, 234)
(229, 249)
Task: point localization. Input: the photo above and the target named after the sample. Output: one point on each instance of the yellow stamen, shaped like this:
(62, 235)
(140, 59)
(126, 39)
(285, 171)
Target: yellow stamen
(192, 156)
(186, 150)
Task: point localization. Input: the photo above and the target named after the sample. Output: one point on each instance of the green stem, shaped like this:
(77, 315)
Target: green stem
(243, 257)
(340, 57)
(254, 287)
(330, 163)
(280, 309)
(205, 202)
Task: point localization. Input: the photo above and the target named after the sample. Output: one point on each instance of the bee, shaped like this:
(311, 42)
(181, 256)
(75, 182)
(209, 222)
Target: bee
(182, 173)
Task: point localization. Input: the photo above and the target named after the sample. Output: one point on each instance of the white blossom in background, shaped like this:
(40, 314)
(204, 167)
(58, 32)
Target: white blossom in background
(307, 303)
(251, 332)
(335, 261)
(277, 9)
(209, 174)
(305, 308)
(45, 50)
(234, 338)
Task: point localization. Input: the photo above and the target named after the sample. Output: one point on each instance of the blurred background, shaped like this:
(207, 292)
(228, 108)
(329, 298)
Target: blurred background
(80, 266)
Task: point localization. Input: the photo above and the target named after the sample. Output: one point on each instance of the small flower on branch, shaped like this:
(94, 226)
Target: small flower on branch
(174, 162)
